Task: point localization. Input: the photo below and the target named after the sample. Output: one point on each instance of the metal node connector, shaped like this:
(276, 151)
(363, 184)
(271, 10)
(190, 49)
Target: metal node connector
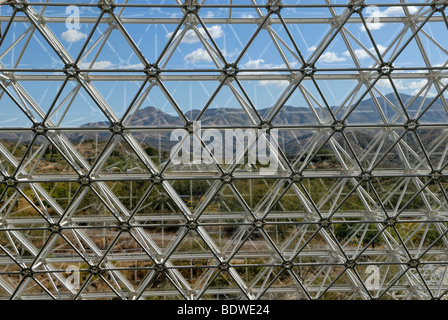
(124, 226)
(231, 70)
(390, 222)
(227, 178)
(106, 6)
(71, 70)
(258, 224)
(27, 272)
(436, 175)
(85, 181)
(366, 176)
(157, 179)
(152, 70)
(55, 228)
(324, 223)
(160, 267)
(386, 69)
(411, 125)
(350, 264)
(296, 177)
(10, 182)
(39, 128)
(192, 225)
(94, 270)
(224, 266)
(413, 263)
(287, 265)
(116, 128)
(308, 70)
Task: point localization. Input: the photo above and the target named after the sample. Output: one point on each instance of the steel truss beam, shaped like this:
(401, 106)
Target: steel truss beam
(308, 229)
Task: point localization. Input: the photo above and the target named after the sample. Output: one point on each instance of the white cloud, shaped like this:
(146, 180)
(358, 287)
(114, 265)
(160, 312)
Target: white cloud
(253, 64)
(210, 14)
(410, 87)
(73, 35)
(191, 36)
(259, 64)
(374, 15)
(404, 85)
(97, 65)
(277, 83)
(362, 54)
(246, 16)
(398, 11)
(197, 56)
(330, 57)
(132, 66)
(230, 54)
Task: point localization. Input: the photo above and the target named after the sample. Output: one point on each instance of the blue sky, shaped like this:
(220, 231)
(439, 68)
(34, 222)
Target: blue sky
(191, 54)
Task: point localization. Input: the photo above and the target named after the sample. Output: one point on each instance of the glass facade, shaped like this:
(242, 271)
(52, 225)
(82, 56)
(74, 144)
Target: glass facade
(215, 149)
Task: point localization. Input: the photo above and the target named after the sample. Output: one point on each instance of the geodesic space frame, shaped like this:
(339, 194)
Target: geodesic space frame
(339, 218)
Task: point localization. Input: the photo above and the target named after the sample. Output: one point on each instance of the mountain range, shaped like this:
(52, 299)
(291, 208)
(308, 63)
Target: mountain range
(364, 113)
(291, 140)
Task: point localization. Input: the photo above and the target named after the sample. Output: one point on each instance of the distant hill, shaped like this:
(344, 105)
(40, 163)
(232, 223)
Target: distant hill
(367, 112)
(291, 140)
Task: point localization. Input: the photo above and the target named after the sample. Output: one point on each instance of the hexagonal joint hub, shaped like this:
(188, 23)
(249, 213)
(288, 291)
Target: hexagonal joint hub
(296, 177)
(386, 69)
(390, 222)
(227, 178)
(152, 70)
(224, 266)
(266, 126)
(258, 224)
(411, 125)
(308, 70)
(436, 175)
(116, 128)
(27, 272)
(94, 270)
(274, 6)
(19, 5)
(10, 181)
(55, 228)
(192, 225)
(160, 267)
(39, 128)
(338, 126)
(413, 263)
(366, 176)
(324, 223)
(231, 70)
(439, 5)
(191, 6)
(125, 226)
(106, 5)
(85, 180)
(350, 264)
(157, 179)
(356, 6)
(190, 127)
(71, 70)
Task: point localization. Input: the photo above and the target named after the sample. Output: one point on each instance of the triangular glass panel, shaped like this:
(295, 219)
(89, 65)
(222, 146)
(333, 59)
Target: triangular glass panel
(222, 280)
(30, 51)
(228, 108)
(14, 112)
(153, 109)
